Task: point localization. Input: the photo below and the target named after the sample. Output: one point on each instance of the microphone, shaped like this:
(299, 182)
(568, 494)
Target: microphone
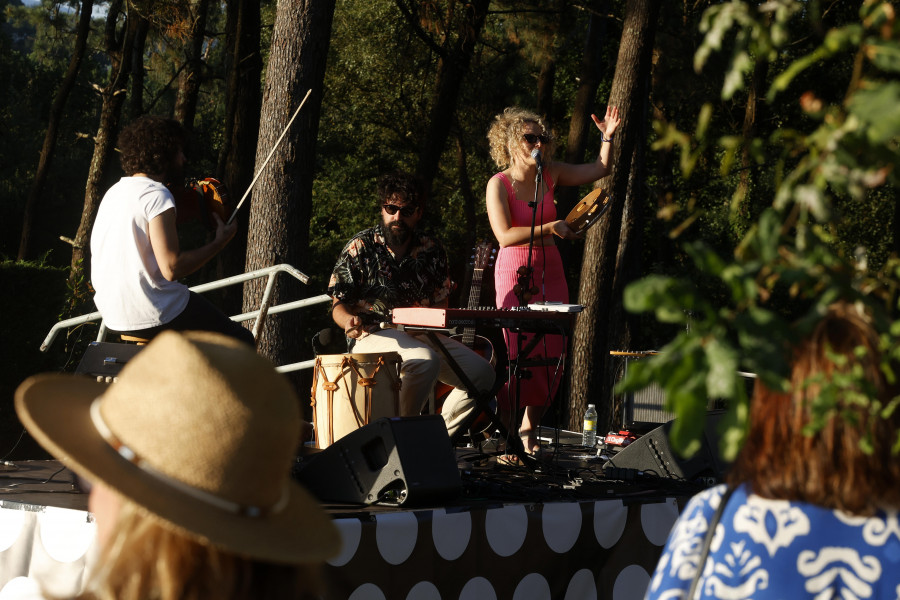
(536, 155)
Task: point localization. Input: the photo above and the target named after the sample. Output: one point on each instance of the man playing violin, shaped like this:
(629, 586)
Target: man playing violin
(136, 260)
(394, 265)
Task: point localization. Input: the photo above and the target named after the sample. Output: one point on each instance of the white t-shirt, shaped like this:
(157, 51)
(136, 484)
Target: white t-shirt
(131, 292)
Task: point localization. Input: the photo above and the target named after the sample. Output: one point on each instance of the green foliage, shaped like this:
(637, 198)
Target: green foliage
(30, 73)
(378, 92)
(30, 303)
(796, 258)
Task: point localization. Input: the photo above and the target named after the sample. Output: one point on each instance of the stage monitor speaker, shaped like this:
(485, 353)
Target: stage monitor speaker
(104, 360)
(653, 454)
(396, 460)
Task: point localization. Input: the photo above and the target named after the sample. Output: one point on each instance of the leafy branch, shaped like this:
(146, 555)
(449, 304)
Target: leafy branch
(787, 268)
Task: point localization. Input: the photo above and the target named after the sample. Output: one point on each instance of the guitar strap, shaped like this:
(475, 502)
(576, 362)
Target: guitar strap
(707, 541)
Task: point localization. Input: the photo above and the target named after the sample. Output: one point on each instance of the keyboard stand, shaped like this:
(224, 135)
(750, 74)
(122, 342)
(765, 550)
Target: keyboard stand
(482, 400)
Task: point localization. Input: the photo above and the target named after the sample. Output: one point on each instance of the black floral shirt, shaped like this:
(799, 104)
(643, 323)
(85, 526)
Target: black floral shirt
(368, 275)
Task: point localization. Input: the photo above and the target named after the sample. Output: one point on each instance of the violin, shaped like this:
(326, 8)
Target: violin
(199, 199)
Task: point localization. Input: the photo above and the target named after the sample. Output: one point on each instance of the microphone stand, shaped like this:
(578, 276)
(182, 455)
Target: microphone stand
(525, 292)
(525, 283)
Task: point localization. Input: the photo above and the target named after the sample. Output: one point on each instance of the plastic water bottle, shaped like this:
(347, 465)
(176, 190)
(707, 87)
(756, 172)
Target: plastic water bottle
(589, 436)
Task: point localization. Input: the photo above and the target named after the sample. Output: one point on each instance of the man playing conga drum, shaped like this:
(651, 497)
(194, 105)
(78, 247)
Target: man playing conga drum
(394, 265)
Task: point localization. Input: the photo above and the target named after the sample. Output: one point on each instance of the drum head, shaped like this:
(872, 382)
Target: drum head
(588, 211)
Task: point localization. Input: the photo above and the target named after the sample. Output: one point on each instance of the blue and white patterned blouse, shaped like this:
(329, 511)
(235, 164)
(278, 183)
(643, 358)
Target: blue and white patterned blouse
(766, 549)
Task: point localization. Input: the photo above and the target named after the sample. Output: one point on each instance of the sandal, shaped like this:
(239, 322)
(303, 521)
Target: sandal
(529, 441)
(510, 460)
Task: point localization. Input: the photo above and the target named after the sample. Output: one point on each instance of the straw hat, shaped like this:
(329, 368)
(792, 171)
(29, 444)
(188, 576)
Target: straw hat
(198, 430)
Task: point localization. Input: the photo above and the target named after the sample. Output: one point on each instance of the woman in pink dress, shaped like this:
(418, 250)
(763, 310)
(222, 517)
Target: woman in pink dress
(521, 144)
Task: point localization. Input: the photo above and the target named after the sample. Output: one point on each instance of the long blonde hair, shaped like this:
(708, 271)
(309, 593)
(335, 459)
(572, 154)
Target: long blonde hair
(506, 131)
(147, 558)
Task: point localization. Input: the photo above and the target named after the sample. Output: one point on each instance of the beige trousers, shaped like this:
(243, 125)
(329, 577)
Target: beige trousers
(424, 365)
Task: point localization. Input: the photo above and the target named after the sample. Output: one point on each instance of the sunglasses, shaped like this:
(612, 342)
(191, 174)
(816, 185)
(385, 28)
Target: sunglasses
(405, 211)
(532, 138)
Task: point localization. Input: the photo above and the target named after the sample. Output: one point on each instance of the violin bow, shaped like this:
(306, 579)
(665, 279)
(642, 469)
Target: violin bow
(265, 162)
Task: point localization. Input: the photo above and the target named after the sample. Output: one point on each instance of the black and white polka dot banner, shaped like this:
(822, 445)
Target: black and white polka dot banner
(568, 550)
(531, 551)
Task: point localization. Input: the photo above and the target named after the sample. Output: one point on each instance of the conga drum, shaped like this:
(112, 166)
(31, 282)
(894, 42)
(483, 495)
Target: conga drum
(352, 390)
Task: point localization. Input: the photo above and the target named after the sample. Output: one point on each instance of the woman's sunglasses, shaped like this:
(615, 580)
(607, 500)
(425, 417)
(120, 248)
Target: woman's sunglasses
(405, 211)
(532, 138)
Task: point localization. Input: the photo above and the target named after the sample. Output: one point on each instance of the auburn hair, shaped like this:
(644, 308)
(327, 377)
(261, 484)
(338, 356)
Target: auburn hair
(781, 459)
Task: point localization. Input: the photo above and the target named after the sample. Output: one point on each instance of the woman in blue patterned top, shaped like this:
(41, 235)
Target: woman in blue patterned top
(811, 516)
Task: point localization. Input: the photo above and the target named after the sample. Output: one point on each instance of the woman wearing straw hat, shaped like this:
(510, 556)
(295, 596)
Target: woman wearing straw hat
(189, 455)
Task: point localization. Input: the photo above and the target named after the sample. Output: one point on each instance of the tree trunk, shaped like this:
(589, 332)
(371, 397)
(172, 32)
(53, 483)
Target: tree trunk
(455, 56)
(56, 115)
(243, 71)
(191, 76)
(470, 200)
(580, 126)
(136, 96)
(545, 84)
(119, 44)
(282, 197)
(610, 252)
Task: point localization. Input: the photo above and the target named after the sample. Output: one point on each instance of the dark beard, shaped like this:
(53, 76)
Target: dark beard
(397, 234)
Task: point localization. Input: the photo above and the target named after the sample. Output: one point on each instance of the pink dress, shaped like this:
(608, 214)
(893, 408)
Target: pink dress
(540, 387)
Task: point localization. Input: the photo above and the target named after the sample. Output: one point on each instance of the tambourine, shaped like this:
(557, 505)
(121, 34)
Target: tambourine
(589, 210)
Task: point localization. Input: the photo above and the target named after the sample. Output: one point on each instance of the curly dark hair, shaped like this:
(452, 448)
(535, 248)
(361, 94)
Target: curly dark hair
(150, 145)
(402, 183)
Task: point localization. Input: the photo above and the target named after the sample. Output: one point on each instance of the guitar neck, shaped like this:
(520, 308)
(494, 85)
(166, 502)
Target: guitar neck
(475, 289)
(468, 334)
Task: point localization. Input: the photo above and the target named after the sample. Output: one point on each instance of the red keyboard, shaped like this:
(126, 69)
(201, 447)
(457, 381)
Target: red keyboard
(506, 318)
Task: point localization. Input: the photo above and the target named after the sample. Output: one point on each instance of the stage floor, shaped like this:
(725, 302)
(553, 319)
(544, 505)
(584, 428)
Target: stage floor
(562, 530)
(563, 471)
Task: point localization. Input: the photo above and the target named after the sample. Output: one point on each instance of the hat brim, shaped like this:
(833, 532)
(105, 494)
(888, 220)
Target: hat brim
(55, 409)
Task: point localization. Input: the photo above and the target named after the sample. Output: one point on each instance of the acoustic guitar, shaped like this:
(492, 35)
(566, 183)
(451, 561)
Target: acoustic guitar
(483, 259)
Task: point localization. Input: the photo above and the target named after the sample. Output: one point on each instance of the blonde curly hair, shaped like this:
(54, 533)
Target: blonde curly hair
(506, 131)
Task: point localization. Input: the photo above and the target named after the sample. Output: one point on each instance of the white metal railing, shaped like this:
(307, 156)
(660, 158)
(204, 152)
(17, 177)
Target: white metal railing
(259, 315)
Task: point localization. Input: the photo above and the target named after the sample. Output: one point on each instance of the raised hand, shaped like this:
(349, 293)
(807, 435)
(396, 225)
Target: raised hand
(610, 122)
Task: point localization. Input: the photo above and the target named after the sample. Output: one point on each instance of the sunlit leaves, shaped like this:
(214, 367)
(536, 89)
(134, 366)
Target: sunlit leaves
(758, 32)
(836, 41)
(878, 112)
(691, 146)
(848, 147)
